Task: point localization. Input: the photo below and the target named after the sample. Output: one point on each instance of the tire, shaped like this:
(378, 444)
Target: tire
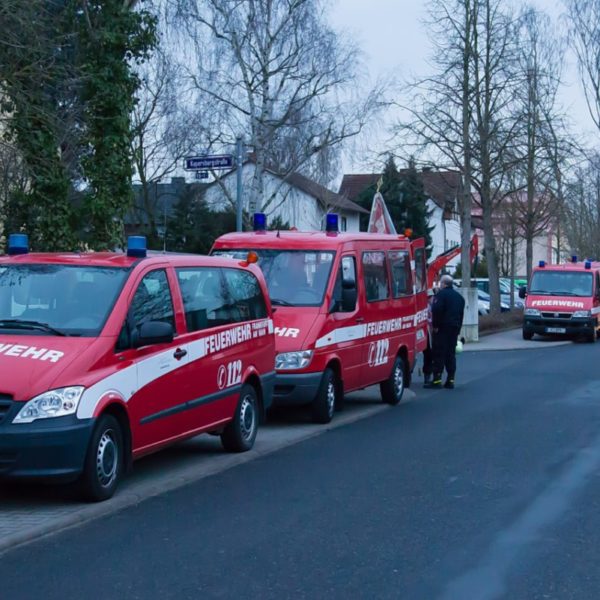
(527, 335)
(104, 461)
(392, 389)
(593, 336)
(240, 432)
(324, 404)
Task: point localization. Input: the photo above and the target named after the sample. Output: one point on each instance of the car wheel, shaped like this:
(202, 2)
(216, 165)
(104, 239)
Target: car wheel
(392, 388)
(323, 406)
(593, 336)
(527, 335)
(240, 433)
(103, 466)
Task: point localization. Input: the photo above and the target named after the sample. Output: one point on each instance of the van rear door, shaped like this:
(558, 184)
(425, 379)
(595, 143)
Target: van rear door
(419, 257)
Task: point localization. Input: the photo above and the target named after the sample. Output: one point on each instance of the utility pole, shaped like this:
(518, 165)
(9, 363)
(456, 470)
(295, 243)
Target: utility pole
(239, 151)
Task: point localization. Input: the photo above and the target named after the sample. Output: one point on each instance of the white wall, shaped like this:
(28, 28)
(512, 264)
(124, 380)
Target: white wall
(292, 205)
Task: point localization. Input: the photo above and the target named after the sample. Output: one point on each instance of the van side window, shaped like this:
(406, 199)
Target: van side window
(347, 273)
(401, 277)
(375, 276)
(420, 270)
(206, 300)
(246, 295)
(152, 300)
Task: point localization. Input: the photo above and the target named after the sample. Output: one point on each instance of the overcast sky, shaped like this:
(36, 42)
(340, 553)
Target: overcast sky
(394, 40)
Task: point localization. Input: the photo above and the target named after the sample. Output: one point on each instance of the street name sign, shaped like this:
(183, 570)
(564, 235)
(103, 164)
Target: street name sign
(215, 161)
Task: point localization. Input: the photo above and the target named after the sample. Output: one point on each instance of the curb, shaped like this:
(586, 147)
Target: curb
(89, 513)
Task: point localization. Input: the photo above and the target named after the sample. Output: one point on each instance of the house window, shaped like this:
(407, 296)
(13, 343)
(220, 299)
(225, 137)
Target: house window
(343, 224)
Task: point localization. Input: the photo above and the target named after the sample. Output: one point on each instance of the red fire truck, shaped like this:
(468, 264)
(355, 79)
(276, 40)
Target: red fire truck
(563, 299)
(350, 310)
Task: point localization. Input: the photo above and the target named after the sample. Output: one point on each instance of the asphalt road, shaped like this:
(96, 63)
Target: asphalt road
(491, 490)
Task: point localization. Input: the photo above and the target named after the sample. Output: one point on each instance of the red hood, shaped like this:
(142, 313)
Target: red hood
(559, 303)
(293, 326)
(31, 365)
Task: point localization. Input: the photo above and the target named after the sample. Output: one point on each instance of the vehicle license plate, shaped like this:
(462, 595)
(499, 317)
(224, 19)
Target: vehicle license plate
(556, 330)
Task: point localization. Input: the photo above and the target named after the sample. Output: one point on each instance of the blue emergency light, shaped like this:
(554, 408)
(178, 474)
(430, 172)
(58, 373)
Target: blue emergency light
(259, 222)
(573, 259)
(542, 263)
(588, 264)
(332, 223)
(18, 243)
(136, 246)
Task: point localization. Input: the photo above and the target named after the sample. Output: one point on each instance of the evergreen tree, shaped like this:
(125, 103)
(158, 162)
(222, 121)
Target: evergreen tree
(405, 199)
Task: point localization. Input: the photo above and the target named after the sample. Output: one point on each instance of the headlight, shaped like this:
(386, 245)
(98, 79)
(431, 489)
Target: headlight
(55, 403)
(532, 312)
(582, 313)
(293, 360)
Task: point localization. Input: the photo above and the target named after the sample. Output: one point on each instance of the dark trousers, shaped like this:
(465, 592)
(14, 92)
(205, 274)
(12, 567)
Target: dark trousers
(444, 351)
(428, 360)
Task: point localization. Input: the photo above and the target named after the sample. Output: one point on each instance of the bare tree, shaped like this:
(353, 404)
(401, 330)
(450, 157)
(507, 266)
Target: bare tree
(273, 72)
(461, 115)
(584, 18)
(582, 209)
(542, 132)
(163, 134)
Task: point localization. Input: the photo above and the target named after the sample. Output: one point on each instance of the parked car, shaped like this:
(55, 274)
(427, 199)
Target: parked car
(483, 284)
(483, 301)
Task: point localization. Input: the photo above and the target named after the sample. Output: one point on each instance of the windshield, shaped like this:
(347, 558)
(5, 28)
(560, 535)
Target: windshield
(561, 283)
(57, 299)
(294, 277)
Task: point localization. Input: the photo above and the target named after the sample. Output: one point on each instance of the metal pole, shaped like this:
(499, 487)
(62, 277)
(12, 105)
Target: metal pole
(239, 160)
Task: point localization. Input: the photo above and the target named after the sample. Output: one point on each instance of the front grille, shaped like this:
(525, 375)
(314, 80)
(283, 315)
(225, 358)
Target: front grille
(556, 315)
(5, 404)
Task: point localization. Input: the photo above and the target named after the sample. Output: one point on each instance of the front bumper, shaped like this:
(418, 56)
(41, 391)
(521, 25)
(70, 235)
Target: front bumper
(296, 389)
(49, 449)
(571, 327)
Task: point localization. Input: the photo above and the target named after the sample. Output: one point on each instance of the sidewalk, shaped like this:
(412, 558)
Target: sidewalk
(512, 339)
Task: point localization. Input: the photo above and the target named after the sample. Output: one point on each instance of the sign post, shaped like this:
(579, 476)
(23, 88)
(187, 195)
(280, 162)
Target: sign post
(239, 148)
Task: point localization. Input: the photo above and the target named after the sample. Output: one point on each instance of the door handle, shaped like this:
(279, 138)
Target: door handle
(360, 319)
(179, 353)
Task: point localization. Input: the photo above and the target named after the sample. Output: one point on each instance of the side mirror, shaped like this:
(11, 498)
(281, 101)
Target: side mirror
(152, 332)
(349, 296)
(522, 292)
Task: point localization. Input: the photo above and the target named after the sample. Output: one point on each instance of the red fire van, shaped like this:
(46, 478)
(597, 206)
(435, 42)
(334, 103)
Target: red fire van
(107, 357)
(350, 310)
(563, 299)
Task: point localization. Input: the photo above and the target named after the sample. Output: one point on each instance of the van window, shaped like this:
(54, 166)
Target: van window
(375, 276)
(206, 300)
(420, 270)
(294, 277)
(244, 289)
(401, 277)
(346, 272)
(152, 300)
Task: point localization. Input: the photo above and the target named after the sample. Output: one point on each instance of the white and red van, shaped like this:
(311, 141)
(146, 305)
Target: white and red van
(563, 299)
(350, 311)
(106, 357)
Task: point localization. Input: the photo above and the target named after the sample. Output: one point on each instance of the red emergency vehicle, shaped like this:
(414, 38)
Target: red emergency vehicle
(350, 310)
(563, 299)
(106, 357)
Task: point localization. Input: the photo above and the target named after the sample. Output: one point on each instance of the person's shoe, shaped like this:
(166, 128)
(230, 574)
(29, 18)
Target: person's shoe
(434, 385)
(449, 385)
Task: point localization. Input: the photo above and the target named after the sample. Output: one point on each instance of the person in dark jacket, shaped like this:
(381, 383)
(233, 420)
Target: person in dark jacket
(447, 317)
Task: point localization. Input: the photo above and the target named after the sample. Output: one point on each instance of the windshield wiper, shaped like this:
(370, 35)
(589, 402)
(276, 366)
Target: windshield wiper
(279, 302)
(540, 293)
(24, 324)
